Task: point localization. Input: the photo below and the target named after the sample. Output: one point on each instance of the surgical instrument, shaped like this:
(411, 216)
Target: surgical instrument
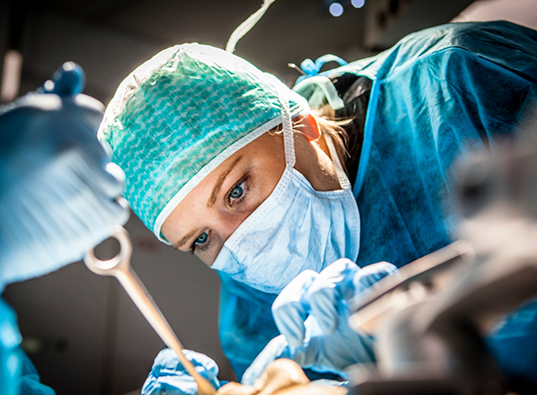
(119, 267)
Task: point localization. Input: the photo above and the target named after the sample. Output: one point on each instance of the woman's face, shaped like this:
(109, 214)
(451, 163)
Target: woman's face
(211, 212)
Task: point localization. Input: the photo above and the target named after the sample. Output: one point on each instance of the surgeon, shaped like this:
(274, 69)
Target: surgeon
(226, 162)
(59, 197)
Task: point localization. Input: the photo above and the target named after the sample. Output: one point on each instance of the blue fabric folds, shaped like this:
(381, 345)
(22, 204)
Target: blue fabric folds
(168, 376)
(246, 322)
(436, 95)
(29, 380)
(451, 94)
(17, 374)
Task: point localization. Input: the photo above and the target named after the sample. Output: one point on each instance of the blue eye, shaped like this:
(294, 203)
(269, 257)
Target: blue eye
(201, 243)
(237, 191)
(202, 239)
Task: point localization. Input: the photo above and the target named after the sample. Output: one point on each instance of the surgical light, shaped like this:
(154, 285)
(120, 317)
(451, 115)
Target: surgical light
(336, 9)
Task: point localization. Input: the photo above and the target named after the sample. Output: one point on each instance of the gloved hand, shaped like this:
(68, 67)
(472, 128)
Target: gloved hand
(59, 192)
(312, 314)
(169, 377)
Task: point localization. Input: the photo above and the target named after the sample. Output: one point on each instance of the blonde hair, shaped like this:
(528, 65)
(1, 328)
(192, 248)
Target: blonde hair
(327, 125)
(336, 131)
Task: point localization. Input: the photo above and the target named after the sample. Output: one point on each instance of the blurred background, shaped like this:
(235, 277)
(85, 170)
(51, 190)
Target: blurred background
(81, 331)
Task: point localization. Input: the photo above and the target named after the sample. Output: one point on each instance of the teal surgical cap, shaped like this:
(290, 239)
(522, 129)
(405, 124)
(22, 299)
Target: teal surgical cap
(181, 114)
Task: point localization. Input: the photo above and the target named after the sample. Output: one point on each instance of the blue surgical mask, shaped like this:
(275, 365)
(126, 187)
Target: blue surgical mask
(295, 229)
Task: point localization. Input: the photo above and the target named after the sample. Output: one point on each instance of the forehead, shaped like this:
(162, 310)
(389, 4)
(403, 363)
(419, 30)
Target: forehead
(263, 150)
(262, 153)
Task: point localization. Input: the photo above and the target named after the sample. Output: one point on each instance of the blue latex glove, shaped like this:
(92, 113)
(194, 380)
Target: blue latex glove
(59, 190)
(169, 377)
(312, 314)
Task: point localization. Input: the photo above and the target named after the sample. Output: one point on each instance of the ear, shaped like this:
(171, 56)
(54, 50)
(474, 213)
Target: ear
(311, 127)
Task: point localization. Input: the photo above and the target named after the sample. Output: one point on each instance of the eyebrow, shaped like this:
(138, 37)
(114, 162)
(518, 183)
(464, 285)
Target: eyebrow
(211, 202)
(182, 242)
(220, 181)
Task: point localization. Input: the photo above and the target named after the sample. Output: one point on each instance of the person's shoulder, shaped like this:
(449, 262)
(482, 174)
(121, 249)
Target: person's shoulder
(494, 41)
(411, 49)
(466, 33)
(489, 40)
(506, 45)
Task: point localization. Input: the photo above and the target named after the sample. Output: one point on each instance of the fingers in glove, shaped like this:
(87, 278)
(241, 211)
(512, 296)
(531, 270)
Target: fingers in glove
(371, 274)
(291, 308)
(337, 284)
(334, 284)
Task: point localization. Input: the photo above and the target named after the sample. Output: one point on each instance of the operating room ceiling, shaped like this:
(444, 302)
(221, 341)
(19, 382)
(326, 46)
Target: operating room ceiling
(109, 38)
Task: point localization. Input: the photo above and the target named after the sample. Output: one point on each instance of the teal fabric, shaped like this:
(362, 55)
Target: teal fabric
(29, 380)
(470, 95)
(246, 323)
(17, 374)
(436, 95)
(177, 112)
(10, 338)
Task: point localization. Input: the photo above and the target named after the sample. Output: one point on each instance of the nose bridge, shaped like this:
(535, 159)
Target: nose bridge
(225, 223)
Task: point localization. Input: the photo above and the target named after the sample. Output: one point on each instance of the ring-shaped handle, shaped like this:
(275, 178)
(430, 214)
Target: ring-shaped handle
(110, 266)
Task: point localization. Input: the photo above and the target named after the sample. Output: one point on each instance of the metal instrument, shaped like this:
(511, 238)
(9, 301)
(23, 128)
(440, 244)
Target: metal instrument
(119, 267)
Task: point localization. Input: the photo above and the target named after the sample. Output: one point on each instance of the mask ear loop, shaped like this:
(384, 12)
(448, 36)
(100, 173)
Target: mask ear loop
(342, 177)
(288, 142)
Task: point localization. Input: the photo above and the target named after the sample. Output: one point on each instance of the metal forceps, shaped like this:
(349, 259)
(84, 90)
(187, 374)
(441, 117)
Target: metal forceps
(119, 267)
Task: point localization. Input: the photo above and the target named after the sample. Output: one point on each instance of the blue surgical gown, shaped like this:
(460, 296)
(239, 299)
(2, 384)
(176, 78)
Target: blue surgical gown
(17, 374)
(435, 95)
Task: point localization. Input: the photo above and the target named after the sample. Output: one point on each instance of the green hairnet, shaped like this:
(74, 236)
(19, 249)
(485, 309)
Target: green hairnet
(181, 114)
